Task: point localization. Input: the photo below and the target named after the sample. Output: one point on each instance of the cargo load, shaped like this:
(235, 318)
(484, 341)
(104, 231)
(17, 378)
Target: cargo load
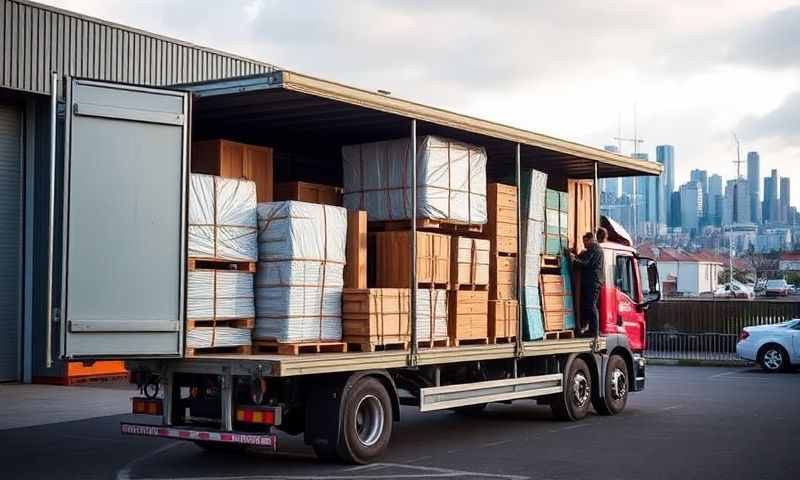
(451, 180)
(222, 218)
(534, 188)
(219, 295)
(299, 279)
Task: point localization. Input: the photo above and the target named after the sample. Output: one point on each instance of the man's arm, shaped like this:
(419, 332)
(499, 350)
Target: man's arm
(582, 259)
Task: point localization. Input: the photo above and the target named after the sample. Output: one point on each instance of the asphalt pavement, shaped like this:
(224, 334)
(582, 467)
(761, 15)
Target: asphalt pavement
(690, 422)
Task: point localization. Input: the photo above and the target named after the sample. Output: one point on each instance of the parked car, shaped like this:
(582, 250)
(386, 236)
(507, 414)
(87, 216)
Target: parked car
(735, 290)
(777, 288)
(774, 347)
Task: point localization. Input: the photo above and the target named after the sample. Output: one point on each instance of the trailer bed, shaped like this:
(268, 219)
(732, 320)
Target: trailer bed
(274, 365)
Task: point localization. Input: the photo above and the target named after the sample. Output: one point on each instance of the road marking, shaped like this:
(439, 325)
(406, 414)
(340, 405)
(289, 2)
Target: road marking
(723, 374)
(125, 472)
(571, 427)
(494, 444)
(673, 407)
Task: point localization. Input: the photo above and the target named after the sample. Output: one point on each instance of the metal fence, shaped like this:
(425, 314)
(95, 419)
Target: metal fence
(718, 315)
(691, 346)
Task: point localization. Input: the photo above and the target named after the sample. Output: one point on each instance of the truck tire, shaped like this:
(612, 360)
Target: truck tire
(365, 424)
(575, 401)
(617, 386)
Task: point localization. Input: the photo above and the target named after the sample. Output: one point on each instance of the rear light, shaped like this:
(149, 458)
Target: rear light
(743, 335)
(147, 406)
(258, 414)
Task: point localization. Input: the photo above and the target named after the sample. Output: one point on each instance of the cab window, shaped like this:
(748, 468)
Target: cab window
(623, 275)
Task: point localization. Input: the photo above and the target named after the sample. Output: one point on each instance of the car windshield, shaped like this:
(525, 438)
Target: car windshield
(776, 283)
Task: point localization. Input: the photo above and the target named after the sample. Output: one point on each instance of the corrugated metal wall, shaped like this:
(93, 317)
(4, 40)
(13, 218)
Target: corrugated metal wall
(36, 40)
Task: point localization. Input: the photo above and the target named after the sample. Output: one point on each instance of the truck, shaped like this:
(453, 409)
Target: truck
(118, 269)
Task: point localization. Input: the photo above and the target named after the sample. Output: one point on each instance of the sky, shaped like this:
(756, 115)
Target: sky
(692, 73)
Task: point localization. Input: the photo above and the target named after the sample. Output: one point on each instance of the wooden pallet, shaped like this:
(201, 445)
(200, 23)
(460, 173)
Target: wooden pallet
(226, 322)
(550, 261)
(439, 342)
(271, 346)
(433, 286)
(376, 347)
(496, 340)
(425, 224)
(470, 287)
(217, 264)
(237, 350)
(559, 334)
(470, 341)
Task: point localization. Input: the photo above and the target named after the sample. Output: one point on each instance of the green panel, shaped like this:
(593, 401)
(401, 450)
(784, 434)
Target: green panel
(563, 201)
(552, 199)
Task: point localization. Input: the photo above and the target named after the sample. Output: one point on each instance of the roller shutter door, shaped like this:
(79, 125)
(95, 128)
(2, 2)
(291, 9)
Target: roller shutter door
(10, 240)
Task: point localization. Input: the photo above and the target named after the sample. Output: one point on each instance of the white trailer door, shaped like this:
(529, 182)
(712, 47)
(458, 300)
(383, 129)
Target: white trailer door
(124, 206)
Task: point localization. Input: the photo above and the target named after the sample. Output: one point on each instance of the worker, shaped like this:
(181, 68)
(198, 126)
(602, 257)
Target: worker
(591, 264)
(602, 235)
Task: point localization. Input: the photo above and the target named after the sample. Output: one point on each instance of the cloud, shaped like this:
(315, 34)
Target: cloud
(782, 123)
(772, 42)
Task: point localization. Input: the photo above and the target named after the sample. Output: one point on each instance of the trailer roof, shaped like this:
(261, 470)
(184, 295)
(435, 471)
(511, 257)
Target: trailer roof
(289, 106)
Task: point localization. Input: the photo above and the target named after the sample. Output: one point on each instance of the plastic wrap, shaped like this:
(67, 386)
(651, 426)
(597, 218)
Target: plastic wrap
(219, 294)
(222, 218)
(535, 187)
(299, 279)
(451, 180)
(207, 337)
(431, 314)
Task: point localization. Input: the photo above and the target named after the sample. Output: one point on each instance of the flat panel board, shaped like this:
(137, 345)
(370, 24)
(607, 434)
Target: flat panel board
(124, 262)
(10, 240)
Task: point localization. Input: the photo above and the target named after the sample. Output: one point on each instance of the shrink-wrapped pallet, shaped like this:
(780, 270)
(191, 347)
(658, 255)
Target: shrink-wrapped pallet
(299, 278)
(208, 337)
(222, 218)
(534, 187)
(451, 180)
(219, 295)
(431, 314)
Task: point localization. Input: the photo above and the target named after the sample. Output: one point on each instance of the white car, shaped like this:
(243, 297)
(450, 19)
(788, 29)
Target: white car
(735, 290)
(776, 288)
(774, 347)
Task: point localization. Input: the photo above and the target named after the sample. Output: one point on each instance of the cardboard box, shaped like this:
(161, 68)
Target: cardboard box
(309, 192)
(468, 312)
(393, 260)
(236, 160)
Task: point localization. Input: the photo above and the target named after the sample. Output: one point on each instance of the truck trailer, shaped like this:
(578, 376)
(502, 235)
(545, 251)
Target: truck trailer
(118, 268)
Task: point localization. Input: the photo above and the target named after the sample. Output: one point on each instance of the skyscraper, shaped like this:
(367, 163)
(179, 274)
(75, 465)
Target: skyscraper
(691, 205)
(714, 206)
(737, 202)
(753, 185)
(701, 177)
(784, 201)
(665, 155)
(770, 206)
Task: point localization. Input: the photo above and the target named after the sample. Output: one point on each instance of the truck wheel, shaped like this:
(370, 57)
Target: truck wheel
(617, 386)
(574, 402)
(365, 424)
(773, 358)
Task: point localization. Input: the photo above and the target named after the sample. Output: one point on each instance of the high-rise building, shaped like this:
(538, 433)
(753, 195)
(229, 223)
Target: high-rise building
(715, 199)
(665, 155)
(737, 202)
(770, 208)
(701, 177)
(784, 200)
(753, 185)
(691, 205)
(675, 202)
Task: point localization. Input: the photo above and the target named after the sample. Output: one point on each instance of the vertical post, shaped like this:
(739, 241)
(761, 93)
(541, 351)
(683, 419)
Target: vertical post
(168, 388)
(595, 187)
(51, 217)
(226, 394)
(519, 280)
(413, 266)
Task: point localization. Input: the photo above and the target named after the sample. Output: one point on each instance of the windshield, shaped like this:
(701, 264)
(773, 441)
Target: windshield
(776, 283)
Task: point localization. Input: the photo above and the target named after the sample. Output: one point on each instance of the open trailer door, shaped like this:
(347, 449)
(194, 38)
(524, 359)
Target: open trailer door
(125, 171)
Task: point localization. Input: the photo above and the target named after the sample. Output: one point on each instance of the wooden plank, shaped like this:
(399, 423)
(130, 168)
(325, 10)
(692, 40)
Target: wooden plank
(236, 160)
(237, 350)
(194, 263)
(267, 346)
(503, 319)
(580, 213)
(309, 192)
(502, 277)
(355, 270)
(469, 262)
(392, 259)
(249, 323)
(378, 316)
(501, 227)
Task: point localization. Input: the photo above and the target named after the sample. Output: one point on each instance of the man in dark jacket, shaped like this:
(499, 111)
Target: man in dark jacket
(591, 264)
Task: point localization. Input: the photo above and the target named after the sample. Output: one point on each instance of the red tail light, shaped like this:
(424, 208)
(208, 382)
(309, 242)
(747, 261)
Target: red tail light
(147, 406)
(258, 414)
(743, 335)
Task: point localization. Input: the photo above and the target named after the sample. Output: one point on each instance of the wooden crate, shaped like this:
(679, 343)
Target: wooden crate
(393, 259)
(501, 228)
(552, 291)
(309, 192)
(469, 262)
(376, 317)
(468, 312)
(503, 320)
(236, 160)
(502, 277)
(355, 270)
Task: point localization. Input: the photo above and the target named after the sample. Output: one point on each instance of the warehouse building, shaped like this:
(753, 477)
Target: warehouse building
(35, 42)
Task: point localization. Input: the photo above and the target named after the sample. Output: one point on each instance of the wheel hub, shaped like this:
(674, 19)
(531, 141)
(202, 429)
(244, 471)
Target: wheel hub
(369, 420)
(773, 359)
(619, 384)
(580, 389)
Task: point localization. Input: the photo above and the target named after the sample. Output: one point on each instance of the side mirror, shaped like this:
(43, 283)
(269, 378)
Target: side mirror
(651, 289)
